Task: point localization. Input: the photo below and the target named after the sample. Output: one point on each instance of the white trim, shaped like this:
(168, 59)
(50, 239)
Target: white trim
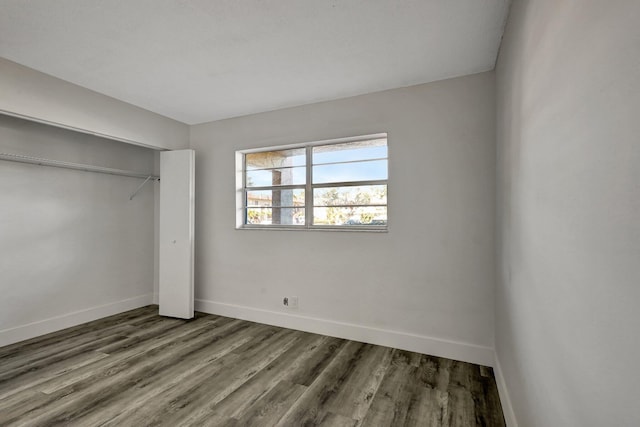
(314, 228)
(505, 401)
(41, 327)
(314, 143)
(407, 341)
(79, 130)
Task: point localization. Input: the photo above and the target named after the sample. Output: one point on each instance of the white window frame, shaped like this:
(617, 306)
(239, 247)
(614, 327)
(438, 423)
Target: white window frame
(308, 187)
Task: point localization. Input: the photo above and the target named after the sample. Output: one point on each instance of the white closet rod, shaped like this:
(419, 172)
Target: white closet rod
(76, 166)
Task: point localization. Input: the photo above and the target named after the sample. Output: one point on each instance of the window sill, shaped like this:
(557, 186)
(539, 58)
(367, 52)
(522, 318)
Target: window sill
(362, 229)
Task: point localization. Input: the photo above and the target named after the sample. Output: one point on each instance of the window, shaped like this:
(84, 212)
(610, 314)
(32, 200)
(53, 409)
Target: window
(339, 184)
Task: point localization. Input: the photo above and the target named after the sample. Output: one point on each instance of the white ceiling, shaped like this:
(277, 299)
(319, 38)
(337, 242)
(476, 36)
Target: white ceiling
(203, 60)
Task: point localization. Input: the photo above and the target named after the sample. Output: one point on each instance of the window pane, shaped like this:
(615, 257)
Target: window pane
(350, 216)
(350, 151)
(275, 216)
(346, 172)
(289, 197)
(275, 159)
(275, 177)
(360, 195)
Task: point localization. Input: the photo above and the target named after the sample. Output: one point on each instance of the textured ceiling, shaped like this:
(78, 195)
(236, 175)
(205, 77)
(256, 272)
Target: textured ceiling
(199, 60)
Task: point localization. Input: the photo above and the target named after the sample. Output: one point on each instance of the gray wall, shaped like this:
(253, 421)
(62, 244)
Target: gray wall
(567, 323)
(28, 93)
(431, 275)
(72, 245)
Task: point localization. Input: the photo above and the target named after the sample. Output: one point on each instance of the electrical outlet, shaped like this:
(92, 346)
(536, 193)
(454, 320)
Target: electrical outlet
(290, 302)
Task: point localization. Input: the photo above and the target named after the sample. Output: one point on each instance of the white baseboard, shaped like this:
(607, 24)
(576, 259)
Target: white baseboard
(507, 409)
(45, 326)
(406, 341)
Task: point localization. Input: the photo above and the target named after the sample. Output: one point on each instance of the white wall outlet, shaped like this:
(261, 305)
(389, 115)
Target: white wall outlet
(290, 302)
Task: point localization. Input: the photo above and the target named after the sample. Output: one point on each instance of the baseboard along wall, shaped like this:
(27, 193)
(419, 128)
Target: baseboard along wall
(45, 326)
(406, 341)
(507, 408)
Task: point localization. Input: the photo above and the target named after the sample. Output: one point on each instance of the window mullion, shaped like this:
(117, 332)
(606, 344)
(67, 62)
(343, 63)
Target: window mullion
(351, 183)
(277, 187)
(308, 192)
(244, 189)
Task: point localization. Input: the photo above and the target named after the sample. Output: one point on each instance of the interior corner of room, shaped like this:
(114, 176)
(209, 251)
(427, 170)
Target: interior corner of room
(514, 208)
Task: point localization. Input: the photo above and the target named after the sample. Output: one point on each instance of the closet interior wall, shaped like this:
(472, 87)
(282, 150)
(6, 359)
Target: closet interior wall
(74, 247)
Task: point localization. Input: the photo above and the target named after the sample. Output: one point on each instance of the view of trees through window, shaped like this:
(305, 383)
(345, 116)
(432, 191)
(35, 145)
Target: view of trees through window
(340, 184)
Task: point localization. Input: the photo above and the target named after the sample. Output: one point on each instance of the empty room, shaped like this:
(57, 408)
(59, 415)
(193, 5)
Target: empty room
(320, 213)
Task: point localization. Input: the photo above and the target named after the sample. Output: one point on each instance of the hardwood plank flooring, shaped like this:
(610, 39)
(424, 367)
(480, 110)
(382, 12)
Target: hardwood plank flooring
(140, 369)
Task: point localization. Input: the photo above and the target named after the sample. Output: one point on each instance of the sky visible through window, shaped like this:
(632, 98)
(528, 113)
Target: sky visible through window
(364, 164)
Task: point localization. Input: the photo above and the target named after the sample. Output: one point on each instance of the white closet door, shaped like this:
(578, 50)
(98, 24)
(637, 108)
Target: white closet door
(177, 203)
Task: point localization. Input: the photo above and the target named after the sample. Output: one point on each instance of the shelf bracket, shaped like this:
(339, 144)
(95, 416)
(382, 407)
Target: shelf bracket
(140, 187)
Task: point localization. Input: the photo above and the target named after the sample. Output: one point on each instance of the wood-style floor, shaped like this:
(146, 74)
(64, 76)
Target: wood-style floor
(138, 369)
